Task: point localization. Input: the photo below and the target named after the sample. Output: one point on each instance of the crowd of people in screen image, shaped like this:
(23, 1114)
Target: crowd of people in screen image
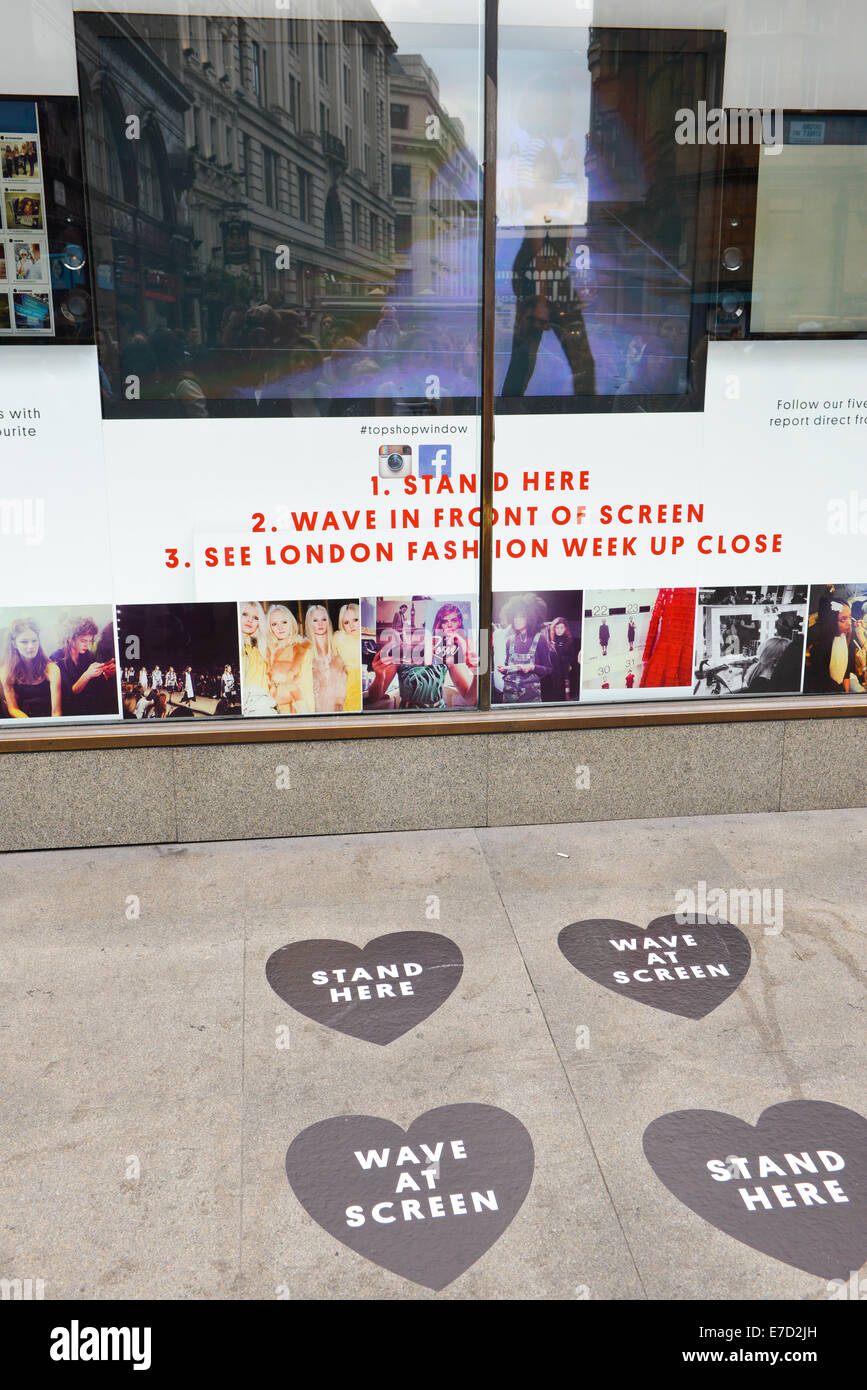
(151, 695)
(298, 361)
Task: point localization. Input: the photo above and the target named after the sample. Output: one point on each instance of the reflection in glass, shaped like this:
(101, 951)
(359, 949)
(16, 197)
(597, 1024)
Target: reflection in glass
(290, 225)
(603, 243)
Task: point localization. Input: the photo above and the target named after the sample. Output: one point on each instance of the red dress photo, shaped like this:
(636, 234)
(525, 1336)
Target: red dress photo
(668, 649)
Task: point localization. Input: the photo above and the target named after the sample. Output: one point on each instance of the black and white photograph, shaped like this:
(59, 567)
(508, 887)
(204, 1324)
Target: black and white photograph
(750, 641)
(179, 660)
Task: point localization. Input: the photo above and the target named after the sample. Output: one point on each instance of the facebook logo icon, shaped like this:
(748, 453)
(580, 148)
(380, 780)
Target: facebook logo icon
(435, 461)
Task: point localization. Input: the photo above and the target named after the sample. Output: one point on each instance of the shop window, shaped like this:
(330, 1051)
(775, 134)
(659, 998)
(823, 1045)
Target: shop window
(333, 227)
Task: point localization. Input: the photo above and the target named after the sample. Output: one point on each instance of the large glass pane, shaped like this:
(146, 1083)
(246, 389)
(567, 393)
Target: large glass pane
(289, 224)
(286, 226)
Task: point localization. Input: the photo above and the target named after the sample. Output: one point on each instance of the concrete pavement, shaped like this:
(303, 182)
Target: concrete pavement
(154, 1080)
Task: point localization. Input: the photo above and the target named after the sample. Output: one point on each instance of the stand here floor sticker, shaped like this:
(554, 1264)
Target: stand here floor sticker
(375, 992)
(794, 1186)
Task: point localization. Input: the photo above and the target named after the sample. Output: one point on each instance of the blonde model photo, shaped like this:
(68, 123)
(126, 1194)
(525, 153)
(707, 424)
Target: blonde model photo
(327, 665)
(347, 640)
(290, 670)
(257, 697)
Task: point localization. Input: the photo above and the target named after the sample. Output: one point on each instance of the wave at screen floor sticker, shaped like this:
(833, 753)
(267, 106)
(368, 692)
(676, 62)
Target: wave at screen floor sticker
(375, 992)
(794, 1186)
(425, 1202)
(687, 967)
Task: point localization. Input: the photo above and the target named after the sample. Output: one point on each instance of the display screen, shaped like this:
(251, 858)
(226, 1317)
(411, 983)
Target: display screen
(602, 244)
(296, 232)
(43, 256)
(810, 263)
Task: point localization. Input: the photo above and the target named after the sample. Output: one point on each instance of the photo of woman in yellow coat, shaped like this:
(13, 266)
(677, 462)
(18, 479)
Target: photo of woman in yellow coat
(347, 641)
(257, 697)
(290, 665)
(329, 670)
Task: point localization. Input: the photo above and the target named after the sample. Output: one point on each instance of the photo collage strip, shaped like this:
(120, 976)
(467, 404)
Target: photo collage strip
(634, 644)
(25, 271)
(278, 657)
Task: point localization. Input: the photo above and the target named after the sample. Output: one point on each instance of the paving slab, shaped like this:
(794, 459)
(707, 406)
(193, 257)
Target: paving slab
(120, 1021)
(129, 1201)
(121, 976)
(487, 1044)
(679, 1255)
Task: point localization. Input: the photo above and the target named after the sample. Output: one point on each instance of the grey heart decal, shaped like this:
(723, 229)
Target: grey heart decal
(687, 967)
(794, 1186)
(425, 1202)
(376, 992)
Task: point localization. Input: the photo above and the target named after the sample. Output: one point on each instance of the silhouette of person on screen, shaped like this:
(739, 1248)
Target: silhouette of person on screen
(543, 280)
